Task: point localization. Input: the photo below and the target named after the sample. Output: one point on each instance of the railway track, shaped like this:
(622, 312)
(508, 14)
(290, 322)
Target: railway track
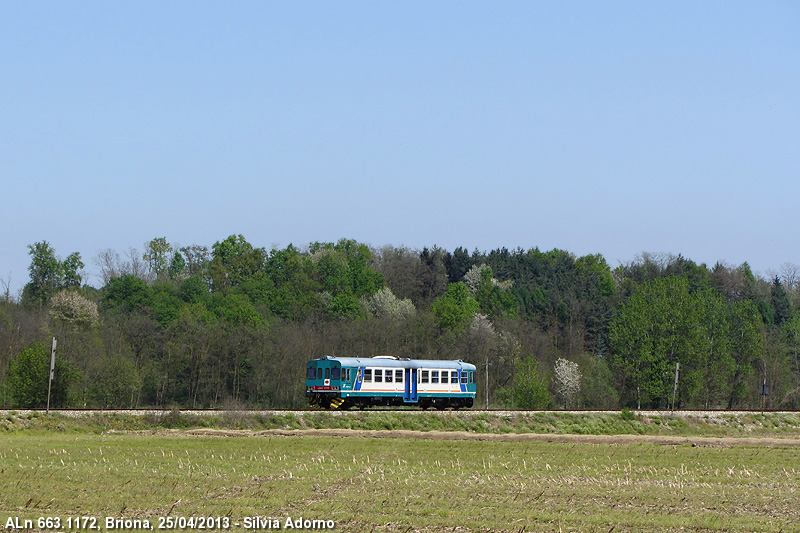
(708, 413)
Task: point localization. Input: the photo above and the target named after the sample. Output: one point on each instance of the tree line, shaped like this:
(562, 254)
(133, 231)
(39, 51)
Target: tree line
(234, 325)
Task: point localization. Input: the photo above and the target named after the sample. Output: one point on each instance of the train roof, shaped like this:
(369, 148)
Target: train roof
(397, 362)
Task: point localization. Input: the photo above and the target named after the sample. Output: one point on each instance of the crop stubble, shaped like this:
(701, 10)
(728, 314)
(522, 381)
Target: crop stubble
(442, 482)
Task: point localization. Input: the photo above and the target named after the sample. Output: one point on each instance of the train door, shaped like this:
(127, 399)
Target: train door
(410, 393)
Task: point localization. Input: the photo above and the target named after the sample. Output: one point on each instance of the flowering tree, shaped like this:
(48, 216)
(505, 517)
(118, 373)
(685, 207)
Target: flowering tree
(72, 308)
(475, 276)
(385, 303)
(567, 381)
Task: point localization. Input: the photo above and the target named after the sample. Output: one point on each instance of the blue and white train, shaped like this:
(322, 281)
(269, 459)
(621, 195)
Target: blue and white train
(344, 382)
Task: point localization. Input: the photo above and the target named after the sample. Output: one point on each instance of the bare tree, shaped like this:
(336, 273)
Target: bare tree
(402, 270)
(790, 277)
(196, 257)
(6, 289)
(109, 263)
(135, 265)
(113, 266)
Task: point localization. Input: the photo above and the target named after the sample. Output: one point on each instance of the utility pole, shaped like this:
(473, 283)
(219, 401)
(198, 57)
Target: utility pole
(675, 388)
(486, 364)
(52, 373)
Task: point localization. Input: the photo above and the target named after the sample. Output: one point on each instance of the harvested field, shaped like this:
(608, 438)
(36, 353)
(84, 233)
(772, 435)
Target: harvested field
(404, 481)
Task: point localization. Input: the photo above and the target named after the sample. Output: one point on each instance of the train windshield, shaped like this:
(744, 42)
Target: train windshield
(311, 373)
(335, 373)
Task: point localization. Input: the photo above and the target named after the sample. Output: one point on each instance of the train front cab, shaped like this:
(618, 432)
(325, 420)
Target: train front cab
(324, 383)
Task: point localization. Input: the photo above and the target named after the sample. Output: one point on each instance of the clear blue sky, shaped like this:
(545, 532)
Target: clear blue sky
(594, 127)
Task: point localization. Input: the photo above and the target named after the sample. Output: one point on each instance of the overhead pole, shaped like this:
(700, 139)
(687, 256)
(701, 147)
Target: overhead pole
(675, 387)
(486, 364)
(52, 373)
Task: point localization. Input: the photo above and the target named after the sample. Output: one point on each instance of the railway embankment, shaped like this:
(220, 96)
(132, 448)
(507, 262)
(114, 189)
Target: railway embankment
(784, 425)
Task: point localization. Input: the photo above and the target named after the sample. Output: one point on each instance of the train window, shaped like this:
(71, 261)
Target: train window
(327, 373)
(435, 376)
(346, 372)
(367, 374)
(454, 377)
(445, 376)
(388, 376)
(312, 373)
(378, 375)
(463, 377)
(319, 373)
(398, 376)
(472, 377)
(424, 376)
(336, 373)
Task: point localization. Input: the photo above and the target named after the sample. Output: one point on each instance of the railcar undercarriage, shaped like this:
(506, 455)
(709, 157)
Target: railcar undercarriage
(333, 401)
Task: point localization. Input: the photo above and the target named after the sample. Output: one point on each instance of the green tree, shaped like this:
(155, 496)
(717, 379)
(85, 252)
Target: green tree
(238, 310)
(529, 390)
(295, 291)
(659, 326)
(71, 267)
(493, 297)
(234, 262)
(115, 382)
(128, 293)
(457, 264)
(194, 290)
(165, 302)
(455, 308)
(46, 273)
(767, 312)
(28, 377)
(158, 254)
(791, 332)
(598, 389)
(344, 270)
(716, 361)
(177, 267)
(780, 302)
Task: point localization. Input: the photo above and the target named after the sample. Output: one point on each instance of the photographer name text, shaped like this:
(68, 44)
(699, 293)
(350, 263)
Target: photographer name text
(210, 523)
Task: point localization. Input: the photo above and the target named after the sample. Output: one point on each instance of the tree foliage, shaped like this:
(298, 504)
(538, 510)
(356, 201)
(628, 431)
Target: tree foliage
(202, 326)
(48, 274)
(29, 374)
(455, 308)
(529, 390)
(664, 324)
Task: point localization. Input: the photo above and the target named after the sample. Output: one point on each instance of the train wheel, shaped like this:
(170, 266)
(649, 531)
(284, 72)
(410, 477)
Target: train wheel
(336, 403)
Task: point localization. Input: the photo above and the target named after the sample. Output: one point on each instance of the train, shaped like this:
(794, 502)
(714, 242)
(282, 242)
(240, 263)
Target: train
(388, 380)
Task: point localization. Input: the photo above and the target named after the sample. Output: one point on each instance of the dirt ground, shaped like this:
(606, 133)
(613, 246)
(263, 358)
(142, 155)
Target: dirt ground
(716, 442)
